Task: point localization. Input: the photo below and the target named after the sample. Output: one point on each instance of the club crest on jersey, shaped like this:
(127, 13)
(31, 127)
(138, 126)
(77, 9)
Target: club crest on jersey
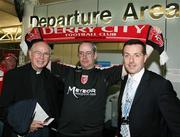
(84, 79)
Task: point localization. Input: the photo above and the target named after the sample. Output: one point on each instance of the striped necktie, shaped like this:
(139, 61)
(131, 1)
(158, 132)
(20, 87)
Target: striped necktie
(126, 107)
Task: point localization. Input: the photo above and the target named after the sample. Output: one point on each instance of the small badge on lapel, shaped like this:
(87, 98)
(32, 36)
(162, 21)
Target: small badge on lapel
(84, 79)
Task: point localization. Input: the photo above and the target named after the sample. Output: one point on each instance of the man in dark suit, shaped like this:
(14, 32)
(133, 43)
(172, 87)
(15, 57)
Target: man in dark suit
(33, 81)
(150, 108)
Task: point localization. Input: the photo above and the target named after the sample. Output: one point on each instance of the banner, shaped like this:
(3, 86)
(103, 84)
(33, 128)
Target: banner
(95, 34)
(151, 36)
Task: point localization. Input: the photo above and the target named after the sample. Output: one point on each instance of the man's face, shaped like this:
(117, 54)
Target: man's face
(11, 63)
(39, 55)
(133, 58)
(86, 56)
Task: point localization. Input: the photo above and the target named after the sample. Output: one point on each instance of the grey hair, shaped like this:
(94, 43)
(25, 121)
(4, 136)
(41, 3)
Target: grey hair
(93, 45)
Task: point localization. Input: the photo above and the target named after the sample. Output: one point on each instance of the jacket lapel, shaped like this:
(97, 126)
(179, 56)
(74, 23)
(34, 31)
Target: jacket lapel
(142, 88)
(47, 88)
(123, 84)
(28, 79)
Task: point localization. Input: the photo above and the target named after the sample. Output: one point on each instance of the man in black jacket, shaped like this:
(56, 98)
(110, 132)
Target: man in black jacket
(149, 106)
(33, 81)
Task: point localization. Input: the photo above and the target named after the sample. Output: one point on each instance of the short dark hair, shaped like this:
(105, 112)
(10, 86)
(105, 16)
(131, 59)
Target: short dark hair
(135, 41)
(93, 45)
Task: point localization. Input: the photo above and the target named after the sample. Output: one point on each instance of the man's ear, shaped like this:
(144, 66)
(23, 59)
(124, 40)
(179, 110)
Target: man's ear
(95, 55)
(29, 53)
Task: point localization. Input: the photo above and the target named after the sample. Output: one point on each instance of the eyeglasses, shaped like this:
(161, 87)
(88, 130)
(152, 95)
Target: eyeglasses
(39, 54)
(87, 54)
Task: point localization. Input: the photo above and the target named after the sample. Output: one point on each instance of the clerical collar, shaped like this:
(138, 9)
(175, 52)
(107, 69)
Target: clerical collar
(38, 72)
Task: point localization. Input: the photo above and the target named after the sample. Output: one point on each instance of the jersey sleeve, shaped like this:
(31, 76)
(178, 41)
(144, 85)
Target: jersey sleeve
(113, 74)
(60, 70)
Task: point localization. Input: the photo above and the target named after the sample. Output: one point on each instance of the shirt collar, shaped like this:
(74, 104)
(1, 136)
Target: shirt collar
(38, 72)
(137, 77)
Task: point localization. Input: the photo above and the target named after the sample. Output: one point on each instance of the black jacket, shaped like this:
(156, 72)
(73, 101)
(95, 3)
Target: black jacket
(155, 110)
(18, 86)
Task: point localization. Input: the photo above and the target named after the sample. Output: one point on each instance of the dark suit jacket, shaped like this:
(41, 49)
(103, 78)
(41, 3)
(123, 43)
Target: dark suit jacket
(155, 111)
(18, 86)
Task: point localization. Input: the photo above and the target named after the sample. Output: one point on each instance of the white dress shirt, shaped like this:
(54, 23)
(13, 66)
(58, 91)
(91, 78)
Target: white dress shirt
(127, 100)
(136, 80)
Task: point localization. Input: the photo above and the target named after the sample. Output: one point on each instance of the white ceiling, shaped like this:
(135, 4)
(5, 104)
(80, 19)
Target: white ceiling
(8, 19)
(8, 14)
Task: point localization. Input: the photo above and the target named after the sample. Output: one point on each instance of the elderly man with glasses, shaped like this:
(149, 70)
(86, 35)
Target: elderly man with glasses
(32, 81)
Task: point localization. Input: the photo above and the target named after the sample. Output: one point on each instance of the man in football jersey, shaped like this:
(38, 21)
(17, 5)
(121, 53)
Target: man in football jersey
(85, 91)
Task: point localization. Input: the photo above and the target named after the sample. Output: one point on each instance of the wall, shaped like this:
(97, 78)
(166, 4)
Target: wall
(173, 48)
(67, 53)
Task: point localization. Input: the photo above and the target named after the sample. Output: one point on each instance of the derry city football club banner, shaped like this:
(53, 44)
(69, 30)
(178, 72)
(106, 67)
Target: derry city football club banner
(146, 33)
(96, 34)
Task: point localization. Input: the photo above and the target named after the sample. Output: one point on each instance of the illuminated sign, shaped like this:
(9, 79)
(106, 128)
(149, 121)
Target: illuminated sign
(155, 12)
(76, 18)
(105, 17)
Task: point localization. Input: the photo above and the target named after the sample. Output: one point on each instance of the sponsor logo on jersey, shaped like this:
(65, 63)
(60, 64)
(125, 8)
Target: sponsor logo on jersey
(84, 79)
(81, 92)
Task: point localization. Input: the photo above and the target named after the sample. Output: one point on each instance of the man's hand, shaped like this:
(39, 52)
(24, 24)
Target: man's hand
(35, 125)
(157, 29)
